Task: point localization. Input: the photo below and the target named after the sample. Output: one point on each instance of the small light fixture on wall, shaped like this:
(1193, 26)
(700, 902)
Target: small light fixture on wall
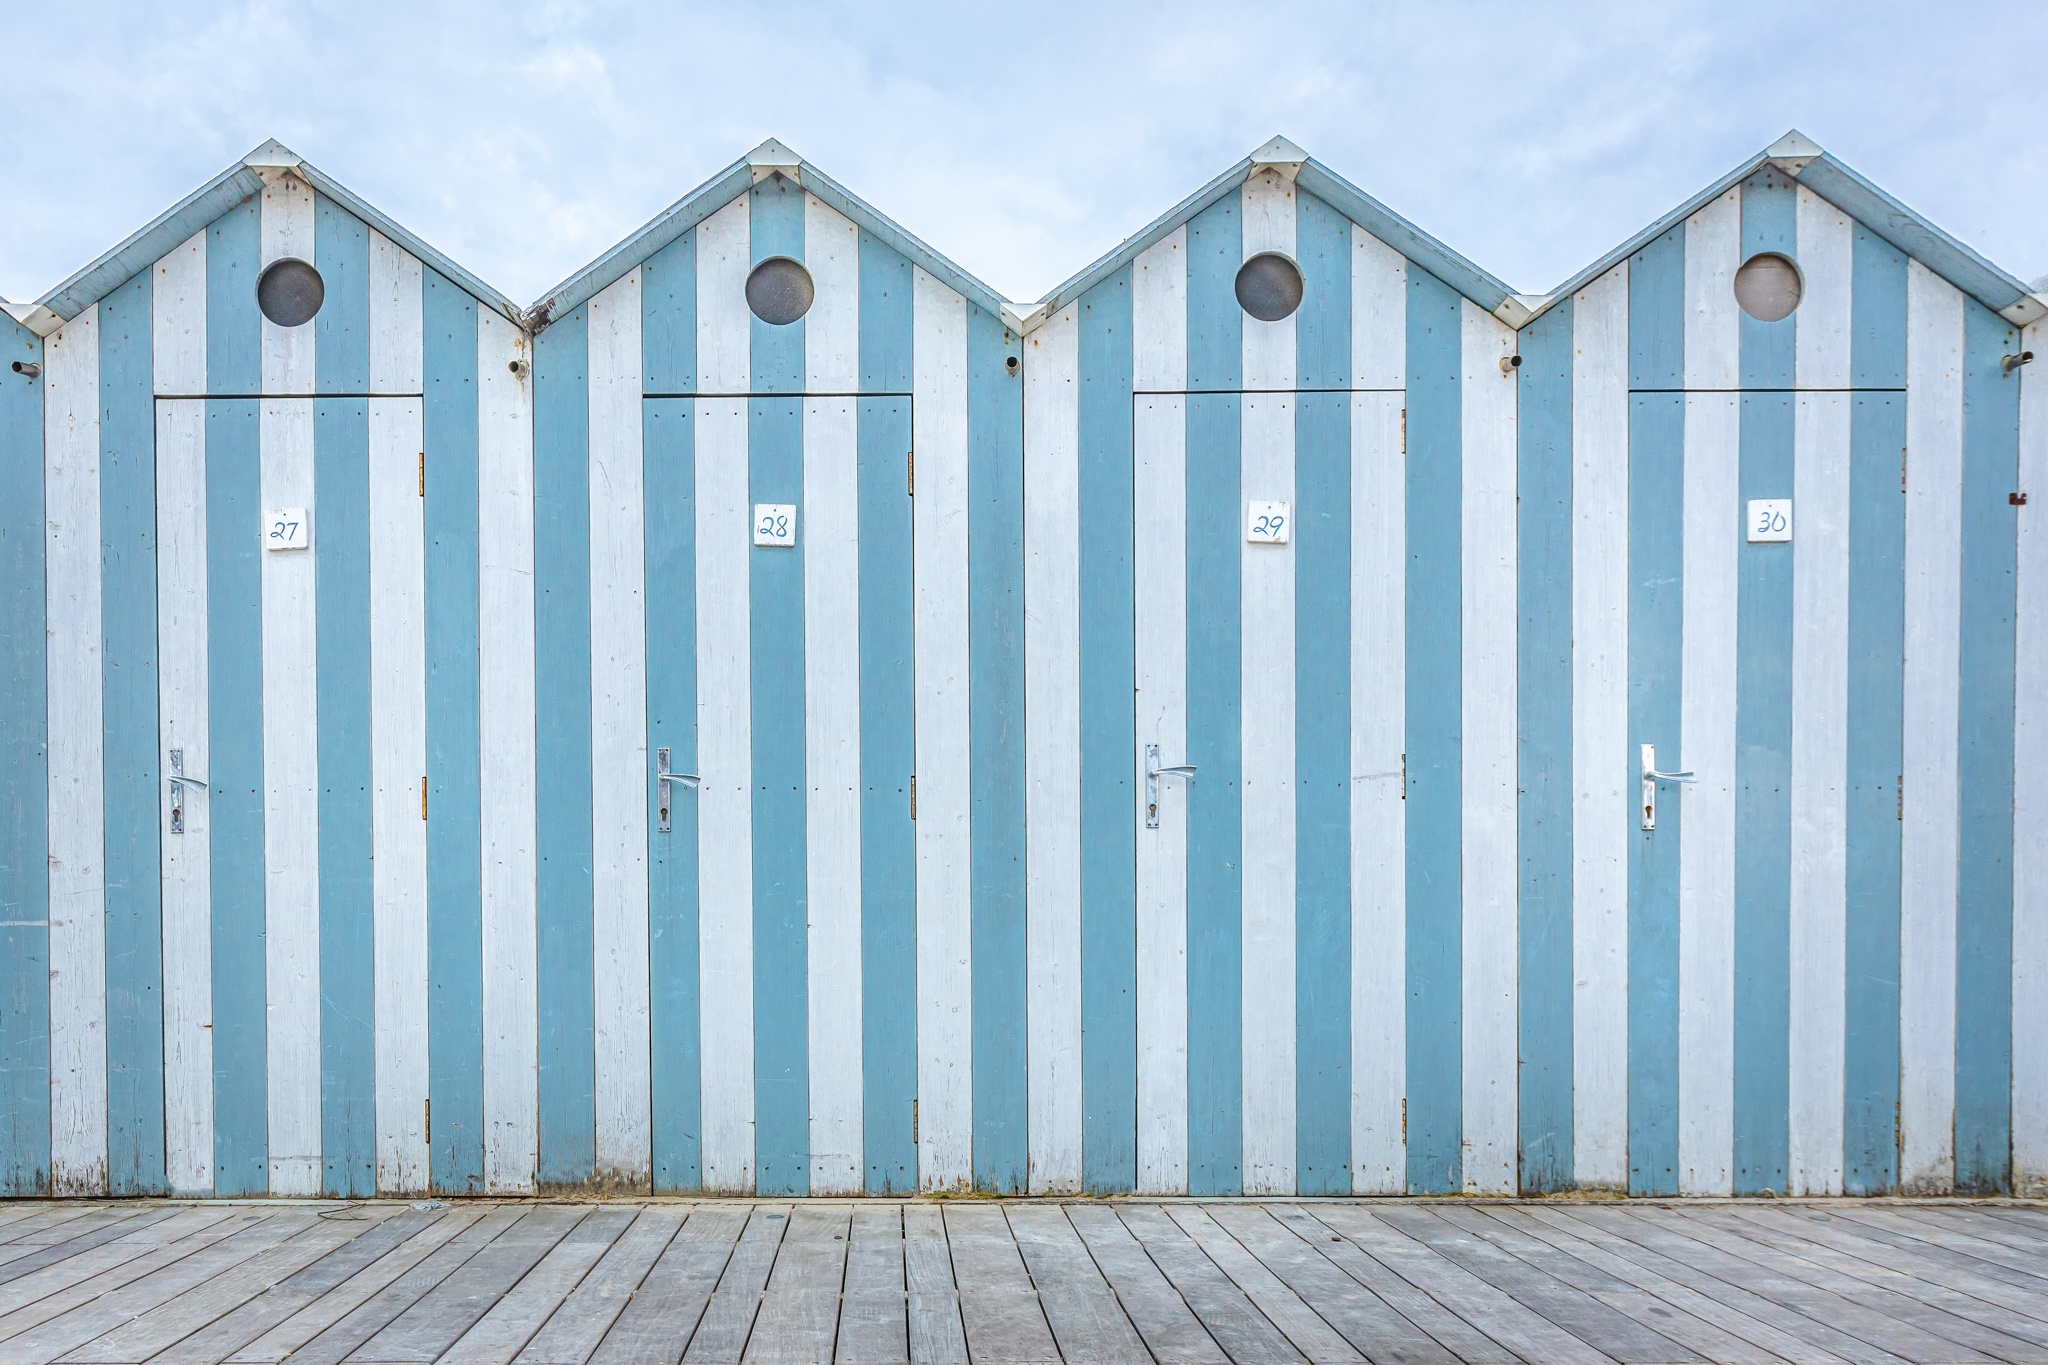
(2006, 364)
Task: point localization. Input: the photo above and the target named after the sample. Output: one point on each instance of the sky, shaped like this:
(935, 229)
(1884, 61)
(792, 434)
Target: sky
(1020, 140)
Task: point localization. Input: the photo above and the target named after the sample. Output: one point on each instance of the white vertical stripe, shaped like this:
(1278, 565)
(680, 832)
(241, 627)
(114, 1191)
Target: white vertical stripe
(724, 337)
(291, 809)
(1820, 771)
(832, 699)
(182, 717)
(618, 738)
(1934, 588)
(77, 773)
(944, 921)
(397, 308)
(725, 866)
(1706, 746)
(1379, 815)
(287, 230)
(1266, 669)
(1379, 313)
(1713, 325)
(1159, 485)
(398, 747)
(1488, 782)
(1052, 755)
(1601, 773)
(831, 540)
(1379, 866)
(505, 727)
(1827, 245)
(178, 321)
(725, 811)
(2030, 792)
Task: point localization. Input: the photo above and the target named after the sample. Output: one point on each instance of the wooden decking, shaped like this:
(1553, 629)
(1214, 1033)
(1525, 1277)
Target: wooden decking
(874, 1281)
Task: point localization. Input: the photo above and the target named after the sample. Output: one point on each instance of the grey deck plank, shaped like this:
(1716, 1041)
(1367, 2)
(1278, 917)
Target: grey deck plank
(1972, 1223)
(1360, 1315)
(383, 1230)
(721, 1337)
(144, 1337)
(573, 1332)
(1088, 1323)
(29, 1300)
(503, 1332)
(1451, 1234)
(1891, 1327)
(1517, 1327)
(1925, 1272)
(872, 1326)
(373, 1314)
(67, 1331)
(662, 1315)
(1994, 1258)
(1168, 1326)
(2033, 1217)
(58, 1221)
(932, 1299)
(426, 1329)
(1776, 1247)
(1232, 1320)
(1005, 1321)
(34, 1252)
(1300, 1324)
(1464, 1341)
(324, 1293)
(799, 1317)
(1792, 1308)
(1711, 1328)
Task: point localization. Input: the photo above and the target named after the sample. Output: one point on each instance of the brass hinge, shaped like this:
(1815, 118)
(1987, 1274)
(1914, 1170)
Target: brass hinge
(1902, 468)
(1404, 797)
(913, 796)
(423, 473)
(430, 1122)
(423, 798)
(910, 473)
(913, 1123)
(1404, 443)
(1404, 1120)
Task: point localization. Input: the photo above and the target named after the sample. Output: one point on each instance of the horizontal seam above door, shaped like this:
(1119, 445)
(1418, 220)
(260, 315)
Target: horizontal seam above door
(787, 393)
(1797, 388)
(1197, 393)
(203, 397)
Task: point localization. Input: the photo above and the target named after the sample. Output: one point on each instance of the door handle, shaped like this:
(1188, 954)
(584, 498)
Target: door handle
(1153, 772)
(1651, 777)
(662, 791)
(178, 782)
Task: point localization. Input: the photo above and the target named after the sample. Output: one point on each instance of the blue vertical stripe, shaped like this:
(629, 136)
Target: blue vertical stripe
(234, 679)
(888, 736)
(775, 462)
(134, 896)
(1543, 531)
(341, 471)
(1763, 725)
(1876, 716)
(455, 999)
(668, 332)
(561, 564)
(1215, 706)
(1109, 729)
(24, 755)
(1656, 597)
(234, 645)
(1435, 692)
(1322, 702)
(1984, 771)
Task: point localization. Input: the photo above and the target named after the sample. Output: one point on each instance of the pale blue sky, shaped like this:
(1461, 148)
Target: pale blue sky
(1022, 140)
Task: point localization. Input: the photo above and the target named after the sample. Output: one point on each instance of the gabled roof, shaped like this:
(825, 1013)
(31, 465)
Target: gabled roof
(1800, 157)
(770, 158)
(234, 186)
(1361, 208)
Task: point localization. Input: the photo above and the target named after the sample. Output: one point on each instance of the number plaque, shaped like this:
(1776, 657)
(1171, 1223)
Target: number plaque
(774, 523)
(1266, 523)
(1769, 520)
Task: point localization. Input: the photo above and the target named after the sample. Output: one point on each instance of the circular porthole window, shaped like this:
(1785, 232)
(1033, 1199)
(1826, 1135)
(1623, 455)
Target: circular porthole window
(1269, 286)
(1768, 286)
(290, 292)
(780, 291)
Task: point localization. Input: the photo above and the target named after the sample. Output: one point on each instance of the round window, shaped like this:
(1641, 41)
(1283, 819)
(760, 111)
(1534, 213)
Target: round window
(780, 291)
(1768, 286)
(290, 292)
(1269, 286)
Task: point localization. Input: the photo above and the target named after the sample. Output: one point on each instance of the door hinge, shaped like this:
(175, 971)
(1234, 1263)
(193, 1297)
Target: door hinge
(423, 473)
(1404, 797)
(913, 1123)
(1902, 467)
(430, 1121)
(1404, 1120)
(913, 796)
(423, 798)
(910, 473)
(1902, 798)
(1404, 431)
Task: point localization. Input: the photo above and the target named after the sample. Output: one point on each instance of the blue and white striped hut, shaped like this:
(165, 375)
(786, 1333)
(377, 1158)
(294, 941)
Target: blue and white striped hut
(1283, 714)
